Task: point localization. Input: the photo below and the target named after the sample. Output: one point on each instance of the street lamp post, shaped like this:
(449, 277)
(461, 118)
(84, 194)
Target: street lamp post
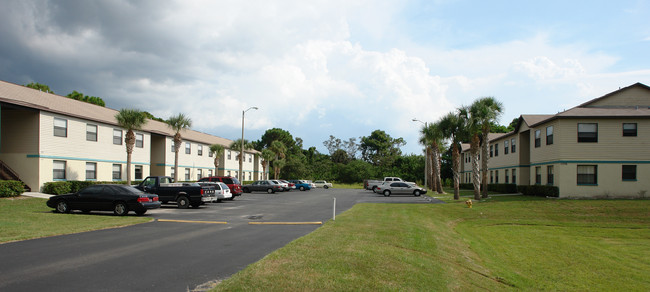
(241, 154)
(426, 158)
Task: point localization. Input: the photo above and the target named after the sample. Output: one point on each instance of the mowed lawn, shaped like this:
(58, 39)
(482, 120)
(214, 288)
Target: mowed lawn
(503, 243)
(25, 218)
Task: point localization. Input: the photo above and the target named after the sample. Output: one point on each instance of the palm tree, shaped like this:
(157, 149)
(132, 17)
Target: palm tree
(267, 156)
(217, 150)
(431, 135)
(279, 149)
(130, 119)
(473, 129)
(237, 146)
(485, 111)
(178, 123)
(452, 127)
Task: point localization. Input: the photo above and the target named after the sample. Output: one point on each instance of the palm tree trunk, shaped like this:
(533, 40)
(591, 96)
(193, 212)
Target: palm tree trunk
(437, 185)
(456, 170)
(438, 176)
(130, 143)
(484, 163)
(476, 175)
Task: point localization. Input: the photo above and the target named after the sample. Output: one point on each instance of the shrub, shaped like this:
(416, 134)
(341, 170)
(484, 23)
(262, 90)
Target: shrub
(57, 187)
(11, 188)
(503, 188)
(466, 186)
(539, 191)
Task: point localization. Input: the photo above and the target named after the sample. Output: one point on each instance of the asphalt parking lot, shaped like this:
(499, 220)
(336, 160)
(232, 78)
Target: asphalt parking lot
(181, 249)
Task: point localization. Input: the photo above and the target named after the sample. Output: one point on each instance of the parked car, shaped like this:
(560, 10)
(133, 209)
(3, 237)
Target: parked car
(301, 185)
(285, 186)
(311, 184)
(221, 191)
(369, 184)
(322, 184)
(117, 198)
(233, 183)
(184, 194)
(262, 186)
(292, 186)
(400, 188)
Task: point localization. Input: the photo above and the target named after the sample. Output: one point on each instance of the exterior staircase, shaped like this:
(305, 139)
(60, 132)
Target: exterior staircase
(6, 173)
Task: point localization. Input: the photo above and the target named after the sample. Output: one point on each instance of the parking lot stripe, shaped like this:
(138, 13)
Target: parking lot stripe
(285, 223)
(191, 221)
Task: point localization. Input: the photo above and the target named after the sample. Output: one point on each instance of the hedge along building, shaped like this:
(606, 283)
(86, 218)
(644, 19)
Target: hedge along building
(600, 148)
(46, 137)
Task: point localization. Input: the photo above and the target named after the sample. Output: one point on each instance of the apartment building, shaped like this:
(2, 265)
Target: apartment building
(45, 137)
(600, 148)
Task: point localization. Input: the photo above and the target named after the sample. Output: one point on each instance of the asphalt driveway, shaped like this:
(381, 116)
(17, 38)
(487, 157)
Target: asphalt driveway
(181, 249)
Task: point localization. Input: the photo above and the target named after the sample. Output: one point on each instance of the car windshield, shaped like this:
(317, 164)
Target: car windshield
(128, 189)
(234, 181)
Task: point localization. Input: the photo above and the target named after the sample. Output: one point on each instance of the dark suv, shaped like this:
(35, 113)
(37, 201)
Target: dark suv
(233, 183)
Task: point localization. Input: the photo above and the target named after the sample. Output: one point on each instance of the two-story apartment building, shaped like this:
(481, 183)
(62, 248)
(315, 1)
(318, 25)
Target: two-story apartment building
(45, 137)
(600, 148)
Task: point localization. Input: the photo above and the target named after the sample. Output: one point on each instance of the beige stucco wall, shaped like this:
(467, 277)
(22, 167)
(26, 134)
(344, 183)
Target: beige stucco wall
(20, 139)
(631, 96)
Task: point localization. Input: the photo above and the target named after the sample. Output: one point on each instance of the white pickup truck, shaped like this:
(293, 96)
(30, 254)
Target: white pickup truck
(372, 184)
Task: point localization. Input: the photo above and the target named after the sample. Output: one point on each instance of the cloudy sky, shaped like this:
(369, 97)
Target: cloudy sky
(320, 68)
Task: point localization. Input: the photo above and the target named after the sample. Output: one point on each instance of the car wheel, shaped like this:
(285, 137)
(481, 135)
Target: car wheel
(326, 187)
(386, 193)
(62, 207)
(140, 213)
(269, 191)
(183, 202)
(416, 193)
(302, 189)
(374, 189)
(120, 209)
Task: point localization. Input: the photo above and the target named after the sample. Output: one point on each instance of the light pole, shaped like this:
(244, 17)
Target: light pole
(241, 154)
(426, 157)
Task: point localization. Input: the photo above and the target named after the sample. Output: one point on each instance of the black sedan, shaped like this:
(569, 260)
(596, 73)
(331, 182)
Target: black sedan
(117, 198)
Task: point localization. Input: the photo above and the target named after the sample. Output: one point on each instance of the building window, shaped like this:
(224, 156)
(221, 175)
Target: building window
(237, 156)
(491, 150)
(496, 176)
(210, 153)
(538, 175)
(491, 176)
(629, 129)
(188, 148)
(507, 177)
(173, 172)
(58, 169)
(629, 172)
(250, 157)
(229, 155)
(496, 149)
(250, 176)
(60, 127)
(139, 140)
(187, 174)
(173, 146)
(587, 174)
(538, 139)
(549, 135)
(210, 172)
(228, 173)
(587, 132)
(514, 176)
(506, 147)
(91, 132)
(117, 137)
(199, 150)
(138, 172)
(550, 179)
(512, 145)
(199, 174)
(91, 170)
(117, 172)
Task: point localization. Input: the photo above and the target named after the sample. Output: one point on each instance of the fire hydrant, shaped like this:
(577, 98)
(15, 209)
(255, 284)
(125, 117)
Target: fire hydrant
(469, 203)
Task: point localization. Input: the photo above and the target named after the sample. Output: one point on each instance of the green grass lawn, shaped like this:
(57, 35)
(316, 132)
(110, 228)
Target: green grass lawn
(503, 243)
(25, 218)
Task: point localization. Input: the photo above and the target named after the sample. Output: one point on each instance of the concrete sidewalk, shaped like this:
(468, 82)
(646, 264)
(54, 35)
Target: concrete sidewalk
(36, 195)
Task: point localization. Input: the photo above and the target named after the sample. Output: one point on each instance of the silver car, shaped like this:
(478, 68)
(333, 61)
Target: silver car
(400, 188)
